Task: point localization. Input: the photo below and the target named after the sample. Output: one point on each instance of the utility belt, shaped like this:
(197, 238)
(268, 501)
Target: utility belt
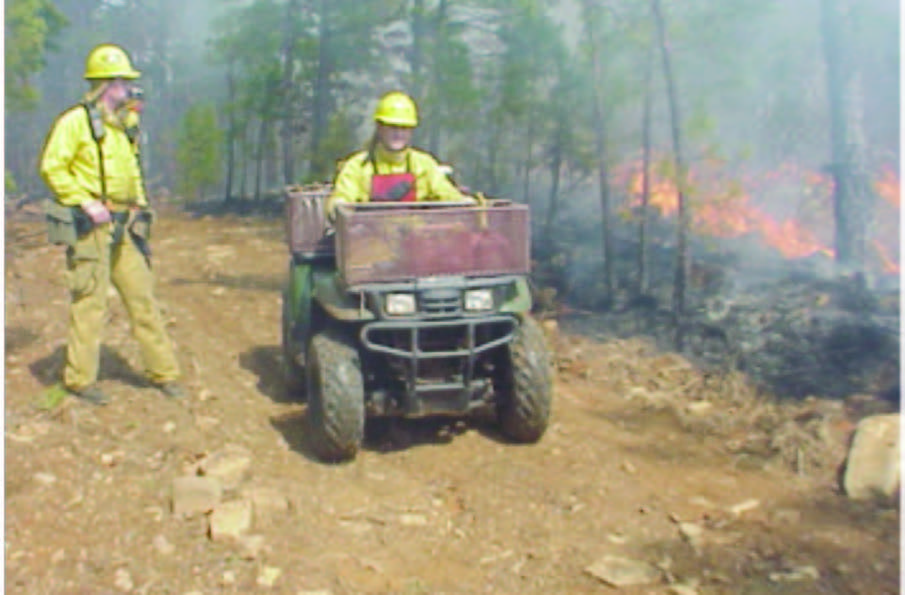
(65, 225)
(121, 207)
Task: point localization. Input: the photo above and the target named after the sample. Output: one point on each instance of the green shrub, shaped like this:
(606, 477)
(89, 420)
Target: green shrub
(199, 163)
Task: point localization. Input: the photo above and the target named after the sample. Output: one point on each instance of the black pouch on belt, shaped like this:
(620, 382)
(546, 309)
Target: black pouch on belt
(140, 230)
(120, 220)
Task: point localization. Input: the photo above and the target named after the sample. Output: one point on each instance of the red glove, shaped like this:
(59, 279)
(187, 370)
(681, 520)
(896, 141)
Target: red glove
(96, 211)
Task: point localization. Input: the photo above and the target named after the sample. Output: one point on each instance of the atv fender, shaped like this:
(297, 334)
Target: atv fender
(518, 298)
(298, 296)
(337, 302)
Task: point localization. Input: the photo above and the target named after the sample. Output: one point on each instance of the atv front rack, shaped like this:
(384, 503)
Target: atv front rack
(426, 398)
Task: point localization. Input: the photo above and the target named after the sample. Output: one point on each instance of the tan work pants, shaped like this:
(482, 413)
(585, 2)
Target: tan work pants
(91, 267)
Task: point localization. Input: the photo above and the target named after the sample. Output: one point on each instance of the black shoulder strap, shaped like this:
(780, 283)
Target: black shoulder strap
(370, 156)
(95, 120)
(96, 124)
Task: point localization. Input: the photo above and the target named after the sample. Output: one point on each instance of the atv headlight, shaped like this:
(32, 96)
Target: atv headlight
(478, 299)
(400, 304)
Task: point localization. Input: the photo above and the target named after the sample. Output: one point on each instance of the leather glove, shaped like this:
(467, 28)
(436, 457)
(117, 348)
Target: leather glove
(96, 211)
(477, 198)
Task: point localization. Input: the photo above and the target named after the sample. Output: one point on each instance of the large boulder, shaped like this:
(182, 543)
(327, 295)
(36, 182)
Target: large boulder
(872, 465)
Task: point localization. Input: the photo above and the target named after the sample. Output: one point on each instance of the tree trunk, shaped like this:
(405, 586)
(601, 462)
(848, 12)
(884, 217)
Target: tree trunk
(166, 104)
(643, 281)
(493, 146)
(322, 89)
(290, 99)
(244, 150)
(272, 175)
(675, 120)
(231, 132)
(852, 195)
(440, 37)
(600, 146)
(555, 171)
(416, 52)
(259, 157)
(529, 149)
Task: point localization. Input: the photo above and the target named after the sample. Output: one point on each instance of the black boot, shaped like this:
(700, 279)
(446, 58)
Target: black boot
(90, 394)
(173, 390)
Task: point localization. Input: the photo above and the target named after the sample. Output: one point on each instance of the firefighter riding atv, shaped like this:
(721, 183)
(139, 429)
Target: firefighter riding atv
(411, 310)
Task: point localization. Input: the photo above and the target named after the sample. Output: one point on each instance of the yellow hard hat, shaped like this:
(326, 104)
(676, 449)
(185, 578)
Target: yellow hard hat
(396, 109)
(108, 61)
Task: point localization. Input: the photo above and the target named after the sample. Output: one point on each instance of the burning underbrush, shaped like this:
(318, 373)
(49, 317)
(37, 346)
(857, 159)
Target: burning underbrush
(764, 297)
(788, 210)
(792, 333)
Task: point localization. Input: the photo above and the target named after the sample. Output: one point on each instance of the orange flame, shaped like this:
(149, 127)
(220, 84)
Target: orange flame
(888, 187)
(887, 239)
(726, 223)
(717, 212)
(889, 264)
(662, 194)
(791, 239)
(731, 217)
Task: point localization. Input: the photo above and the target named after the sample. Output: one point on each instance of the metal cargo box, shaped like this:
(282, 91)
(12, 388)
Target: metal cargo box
(378, 243)
(306, 221)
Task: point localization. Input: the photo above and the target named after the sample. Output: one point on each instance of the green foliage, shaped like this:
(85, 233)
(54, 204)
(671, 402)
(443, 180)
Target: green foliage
(517, 93)
(30, 27)
(336, 144)
(10, 183)
(457, 99)
(531, 43)
(198, 151)
(569, 106)
(51, 398)
(250, 39)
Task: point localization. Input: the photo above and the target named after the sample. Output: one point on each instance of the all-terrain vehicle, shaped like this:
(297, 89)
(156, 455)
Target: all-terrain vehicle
(411, 310)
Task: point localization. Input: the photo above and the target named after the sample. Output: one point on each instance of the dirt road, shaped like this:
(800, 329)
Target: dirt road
(646, 459)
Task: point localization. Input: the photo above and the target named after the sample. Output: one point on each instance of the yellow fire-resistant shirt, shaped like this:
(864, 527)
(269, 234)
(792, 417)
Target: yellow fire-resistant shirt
(353, 184)
(70, 162)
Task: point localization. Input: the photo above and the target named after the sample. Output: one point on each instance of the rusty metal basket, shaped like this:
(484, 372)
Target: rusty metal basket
(381, 243)
(306, 221)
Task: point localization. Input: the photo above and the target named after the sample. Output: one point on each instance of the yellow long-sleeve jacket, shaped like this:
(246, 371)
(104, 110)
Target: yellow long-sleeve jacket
(353, 183)
(70, 162)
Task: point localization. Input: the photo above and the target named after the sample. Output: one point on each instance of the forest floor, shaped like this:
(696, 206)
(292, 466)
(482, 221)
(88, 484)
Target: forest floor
(694, 480)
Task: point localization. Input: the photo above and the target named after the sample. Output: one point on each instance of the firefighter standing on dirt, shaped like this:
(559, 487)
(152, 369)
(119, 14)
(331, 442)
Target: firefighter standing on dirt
(101, 214)
(390, 169)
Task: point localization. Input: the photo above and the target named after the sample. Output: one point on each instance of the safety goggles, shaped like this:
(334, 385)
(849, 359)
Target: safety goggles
(135, 93)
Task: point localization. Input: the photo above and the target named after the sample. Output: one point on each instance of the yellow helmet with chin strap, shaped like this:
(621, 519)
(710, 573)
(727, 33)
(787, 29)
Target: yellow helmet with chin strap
(396, 109)
(109, 61)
